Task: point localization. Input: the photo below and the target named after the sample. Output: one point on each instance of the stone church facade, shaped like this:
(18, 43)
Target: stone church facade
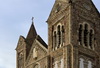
(73, 38)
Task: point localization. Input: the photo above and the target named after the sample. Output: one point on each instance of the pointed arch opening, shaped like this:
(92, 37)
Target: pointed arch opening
(91, 38)
(89, 64)
(81, 63)
(80, 34)
(63, 35)
(86, 35)
(54, 40)
(58, 36)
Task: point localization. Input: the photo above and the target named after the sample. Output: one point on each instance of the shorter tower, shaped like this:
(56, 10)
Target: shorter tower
(32, 50)
(21, 53)
(73, 34)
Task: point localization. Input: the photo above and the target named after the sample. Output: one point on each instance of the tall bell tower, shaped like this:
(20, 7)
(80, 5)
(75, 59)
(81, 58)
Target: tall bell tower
(73, 35)
(58, 24)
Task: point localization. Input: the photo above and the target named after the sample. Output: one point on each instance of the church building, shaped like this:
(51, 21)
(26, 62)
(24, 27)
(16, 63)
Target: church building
(73, 38)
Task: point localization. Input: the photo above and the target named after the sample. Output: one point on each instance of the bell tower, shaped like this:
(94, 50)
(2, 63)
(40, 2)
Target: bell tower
(73, 37)
(58, 24)
(59, 46)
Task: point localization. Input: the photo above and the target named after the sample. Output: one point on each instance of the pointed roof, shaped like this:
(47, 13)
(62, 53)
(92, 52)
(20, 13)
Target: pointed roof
(38, 40)
(31, 34)
(58, 5)
(30, 38)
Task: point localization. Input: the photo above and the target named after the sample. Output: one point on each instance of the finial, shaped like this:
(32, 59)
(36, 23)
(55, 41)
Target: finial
(32, 20)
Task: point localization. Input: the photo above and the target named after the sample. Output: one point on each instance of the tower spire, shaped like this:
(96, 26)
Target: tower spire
(32, 32)
(32, 20)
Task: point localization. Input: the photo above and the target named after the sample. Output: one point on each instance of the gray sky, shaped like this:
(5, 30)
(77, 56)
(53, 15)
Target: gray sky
(15, 20)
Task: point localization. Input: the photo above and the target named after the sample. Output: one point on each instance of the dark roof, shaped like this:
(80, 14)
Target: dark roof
(31, 34)
(41, 41)
(30, 38)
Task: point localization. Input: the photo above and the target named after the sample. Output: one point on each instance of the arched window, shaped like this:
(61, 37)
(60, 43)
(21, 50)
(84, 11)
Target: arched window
(63, 35)
(81, 63)
(52, 37)
(59, 36)
(91, 39)
(80, 34)
(54, 40)
(89, 64)
(86, 35)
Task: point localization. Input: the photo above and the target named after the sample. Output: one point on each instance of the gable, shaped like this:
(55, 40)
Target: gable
(41, 52)
(20, 43)
(57, 7)
(86, 7)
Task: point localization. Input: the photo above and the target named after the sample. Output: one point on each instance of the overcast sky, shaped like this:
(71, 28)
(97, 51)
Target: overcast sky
(15, 20)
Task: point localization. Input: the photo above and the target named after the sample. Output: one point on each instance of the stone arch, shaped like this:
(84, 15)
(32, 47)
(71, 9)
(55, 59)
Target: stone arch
(36, 65)
(91, 39)
(86, 35)
(86, 29)
(90, 63)
(59, 24)
(52, 36)
(81, 62)
(86, 23)
(81, 56)
(58, 35)
(62, 35)
(89, 59)
(54, 40)
(80, 34)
